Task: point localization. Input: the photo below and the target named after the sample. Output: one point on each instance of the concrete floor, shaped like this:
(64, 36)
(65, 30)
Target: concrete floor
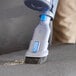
(61, 62)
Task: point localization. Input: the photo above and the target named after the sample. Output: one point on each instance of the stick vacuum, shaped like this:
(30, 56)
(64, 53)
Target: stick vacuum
(38, 49)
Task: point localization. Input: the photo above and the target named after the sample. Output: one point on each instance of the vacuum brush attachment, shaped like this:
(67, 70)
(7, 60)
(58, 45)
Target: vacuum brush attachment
(38, 49)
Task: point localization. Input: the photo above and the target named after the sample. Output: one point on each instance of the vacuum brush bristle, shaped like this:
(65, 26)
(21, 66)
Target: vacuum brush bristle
(35, 60)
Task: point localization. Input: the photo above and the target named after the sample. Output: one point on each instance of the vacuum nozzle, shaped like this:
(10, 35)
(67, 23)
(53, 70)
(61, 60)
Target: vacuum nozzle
(35, 60)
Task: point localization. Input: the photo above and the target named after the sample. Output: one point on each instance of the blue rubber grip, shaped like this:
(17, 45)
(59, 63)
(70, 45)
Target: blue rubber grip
(35, 47)
(43, 17)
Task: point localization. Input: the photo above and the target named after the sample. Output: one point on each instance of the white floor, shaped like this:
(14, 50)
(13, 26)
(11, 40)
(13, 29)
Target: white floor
(61, 62)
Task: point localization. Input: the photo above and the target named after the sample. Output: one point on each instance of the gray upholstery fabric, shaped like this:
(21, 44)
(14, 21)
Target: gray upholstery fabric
(17, 23)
